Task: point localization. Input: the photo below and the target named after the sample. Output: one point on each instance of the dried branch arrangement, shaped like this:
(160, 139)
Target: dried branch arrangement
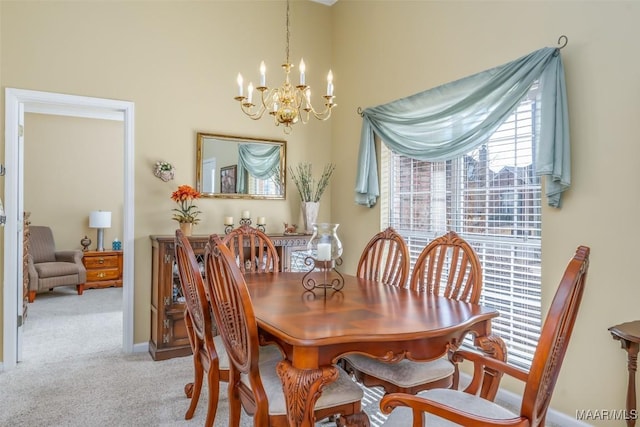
(309, 189)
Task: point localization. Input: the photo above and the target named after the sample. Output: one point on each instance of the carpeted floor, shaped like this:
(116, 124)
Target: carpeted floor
(75, 374)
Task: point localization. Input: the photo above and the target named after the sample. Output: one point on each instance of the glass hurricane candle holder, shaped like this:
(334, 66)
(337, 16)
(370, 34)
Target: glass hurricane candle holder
(324, 244)
(323, 254)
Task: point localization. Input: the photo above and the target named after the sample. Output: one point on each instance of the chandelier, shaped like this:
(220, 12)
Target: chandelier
(287, 103)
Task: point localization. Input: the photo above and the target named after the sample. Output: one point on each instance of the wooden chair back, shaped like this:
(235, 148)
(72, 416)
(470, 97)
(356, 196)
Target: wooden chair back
(450, 267)
(554, 339)
(236, 321)
(200, 330)
(385, 258)
(253, 250)
(193, 289)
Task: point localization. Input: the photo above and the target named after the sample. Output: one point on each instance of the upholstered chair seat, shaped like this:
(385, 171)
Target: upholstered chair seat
(402, 415)
(405, 374)
(340, 392)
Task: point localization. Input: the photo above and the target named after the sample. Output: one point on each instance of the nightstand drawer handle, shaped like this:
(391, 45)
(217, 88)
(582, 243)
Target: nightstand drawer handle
(102, 274)
(101, 260)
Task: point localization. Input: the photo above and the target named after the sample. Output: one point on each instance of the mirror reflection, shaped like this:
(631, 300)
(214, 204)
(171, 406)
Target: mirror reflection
(240, 167)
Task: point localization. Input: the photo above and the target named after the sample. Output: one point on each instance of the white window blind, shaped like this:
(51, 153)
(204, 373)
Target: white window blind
(492, 198)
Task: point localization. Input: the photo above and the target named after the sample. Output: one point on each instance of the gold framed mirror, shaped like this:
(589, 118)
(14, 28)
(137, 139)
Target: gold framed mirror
(236, 167)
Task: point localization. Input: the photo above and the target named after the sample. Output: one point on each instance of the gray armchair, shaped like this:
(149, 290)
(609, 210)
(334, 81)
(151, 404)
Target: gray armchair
(49, 268)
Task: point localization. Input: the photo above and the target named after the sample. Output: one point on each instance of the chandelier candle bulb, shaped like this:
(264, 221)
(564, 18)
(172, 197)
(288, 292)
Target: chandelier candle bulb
(246, 214)
(250, 92)
(330, 83)
(262, 220)
(302, 70)
(263, 75)
(240, 85)
(228, 220)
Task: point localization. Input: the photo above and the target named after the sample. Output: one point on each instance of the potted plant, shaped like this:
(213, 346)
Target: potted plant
(187, 212)
(310, 190)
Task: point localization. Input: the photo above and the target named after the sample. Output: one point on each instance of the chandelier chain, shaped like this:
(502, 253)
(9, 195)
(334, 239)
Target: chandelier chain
(288, 34)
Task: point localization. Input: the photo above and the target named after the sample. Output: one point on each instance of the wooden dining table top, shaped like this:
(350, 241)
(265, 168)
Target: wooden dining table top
(362, 311)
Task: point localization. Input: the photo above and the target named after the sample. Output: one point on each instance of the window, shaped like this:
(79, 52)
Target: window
(492, 198)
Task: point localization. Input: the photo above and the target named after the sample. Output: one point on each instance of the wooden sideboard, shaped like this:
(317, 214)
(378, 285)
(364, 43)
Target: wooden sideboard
(168, 330)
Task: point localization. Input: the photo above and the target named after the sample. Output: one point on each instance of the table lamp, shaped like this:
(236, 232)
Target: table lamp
(100, 220)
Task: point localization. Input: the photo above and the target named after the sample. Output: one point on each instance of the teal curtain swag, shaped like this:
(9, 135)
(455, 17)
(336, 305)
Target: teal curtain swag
(260, 160)
(450, 120)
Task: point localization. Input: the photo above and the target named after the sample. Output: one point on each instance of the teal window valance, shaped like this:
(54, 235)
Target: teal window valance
(450, 120)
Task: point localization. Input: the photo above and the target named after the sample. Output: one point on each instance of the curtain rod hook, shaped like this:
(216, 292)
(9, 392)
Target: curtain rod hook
(562, 41)
(359, 111)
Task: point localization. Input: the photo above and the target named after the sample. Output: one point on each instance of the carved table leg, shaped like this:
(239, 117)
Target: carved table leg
(492, 346)
(302, 388)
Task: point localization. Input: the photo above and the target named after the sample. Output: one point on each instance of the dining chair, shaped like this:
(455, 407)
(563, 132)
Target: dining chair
(202, 333)
(200, 330)
(253, 250)
(385, 259)
(447, 266)
(464, 407)
(256, 387)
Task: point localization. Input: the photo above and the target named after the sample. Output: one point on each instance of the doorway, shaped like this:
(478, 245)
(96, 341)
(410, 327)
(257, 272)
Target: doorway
(17, 102)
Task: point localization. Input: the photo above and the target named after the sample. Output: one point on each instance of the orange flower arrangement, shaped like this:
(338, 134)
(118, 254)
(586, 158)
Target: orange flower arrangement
(187, 212)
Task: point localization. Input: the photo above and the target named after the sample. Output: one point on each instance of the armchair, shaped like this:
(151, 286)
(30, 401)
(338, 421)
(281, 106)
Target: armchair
(49, 268)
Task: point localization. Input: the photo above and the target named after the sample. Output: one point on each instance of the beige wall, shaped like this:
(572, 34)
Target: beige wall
(385, 50)
(73, 166)
(178, 61)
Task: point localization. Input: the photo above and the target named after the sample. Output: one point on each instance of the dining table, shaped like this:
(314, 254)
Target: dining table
(313, 328)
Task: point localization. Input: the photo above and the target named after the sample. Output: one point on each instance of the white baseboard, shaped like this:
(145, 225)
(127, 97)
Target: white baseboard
(141, 347)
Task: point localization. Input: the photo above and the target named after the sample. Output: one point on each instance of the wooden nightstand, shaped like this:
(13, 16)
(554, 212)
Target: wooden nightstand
(104, 269)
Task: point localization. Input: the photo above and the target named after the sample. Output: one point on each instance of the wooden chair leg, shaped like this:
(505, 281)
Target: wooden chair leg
(32, 296)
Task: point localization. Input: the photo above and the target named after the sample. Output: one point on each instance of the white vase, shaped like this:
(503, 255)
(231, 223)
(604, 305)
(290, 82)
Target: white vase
(309, 215)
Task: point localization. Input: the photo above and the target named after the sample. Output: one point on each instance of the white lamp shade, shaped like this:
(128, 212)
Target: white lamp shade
(100, 219)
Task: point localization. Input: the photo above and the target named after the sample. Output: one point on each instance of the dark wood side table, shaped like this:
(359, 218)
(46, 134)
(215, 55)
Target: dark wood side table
(629, 336)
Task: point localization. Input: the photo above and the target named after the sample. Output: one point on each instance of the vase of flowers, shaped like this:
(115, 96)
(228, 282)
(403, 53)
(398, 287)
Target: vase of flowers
(187, 212)
(310, 190)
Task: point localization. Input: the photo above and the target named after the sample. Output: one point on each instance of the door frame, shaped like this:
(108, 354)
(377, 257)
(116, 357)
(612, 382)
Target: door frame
(66, 105)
